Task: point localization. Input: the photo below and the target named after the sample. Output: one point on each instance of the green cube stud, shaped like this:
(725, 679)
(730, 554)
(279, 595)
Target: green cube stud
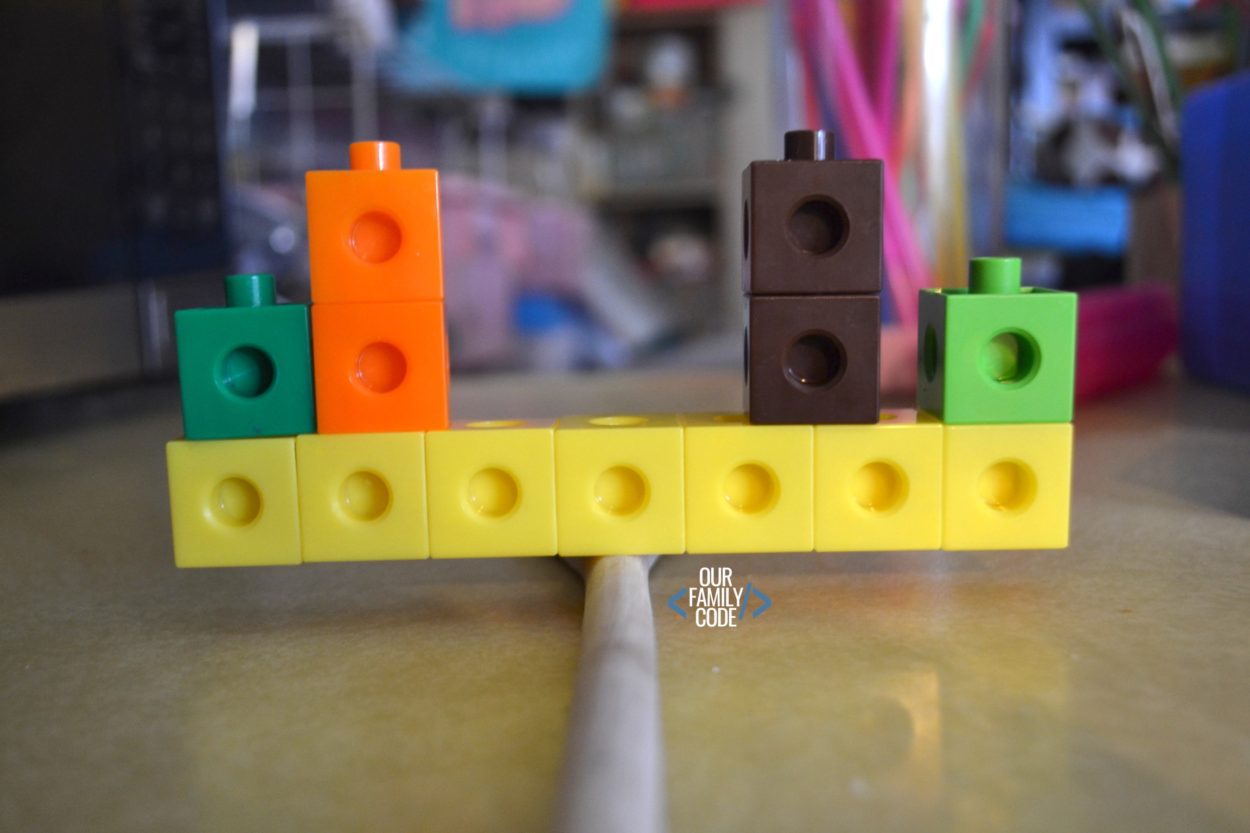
(245, 369)
(996, 352)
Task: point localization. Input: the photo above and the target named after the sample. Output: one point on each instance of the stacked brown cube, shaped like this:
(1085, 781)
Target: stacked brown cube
(812, 277)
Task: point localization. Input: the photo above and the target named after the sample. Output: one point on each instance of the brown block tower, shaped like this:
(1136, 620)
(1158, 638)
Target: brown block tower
(811, 272)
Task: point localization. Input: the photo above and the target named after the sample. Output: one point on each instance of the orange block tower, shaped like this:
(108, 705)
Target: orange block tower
(379, 334)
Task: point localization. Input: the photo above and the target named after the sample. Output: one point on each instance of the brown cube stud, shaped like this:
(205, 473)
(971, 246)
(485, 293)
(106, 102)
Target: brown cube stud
(813, 359)
(811, 225)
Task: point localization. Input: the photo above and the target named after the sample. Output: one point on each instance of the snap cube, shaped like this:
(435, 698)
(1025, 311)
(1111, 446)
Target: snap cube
(245, 370)
(492, 489)
(879, 487)
(996, 352)
(811, 224)
(373, 231)
(380, 367)
(362, 496)
(748, 487)
(233, 503)
(813, 359)
(619, 487)
(1006, 486)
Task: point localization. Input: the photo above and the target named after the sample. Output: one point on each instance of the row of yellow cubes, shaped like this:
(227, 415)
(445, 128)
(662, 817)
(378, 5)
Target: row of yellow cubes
(698, 483)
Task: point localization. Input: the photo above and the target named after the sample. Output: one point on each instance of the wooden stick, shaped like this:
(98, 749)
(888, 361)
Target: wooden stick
(613, 778)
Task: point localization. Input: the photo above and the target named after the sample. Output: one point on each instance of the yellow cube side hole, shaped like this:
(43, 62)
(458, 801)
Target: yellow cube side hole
(492, 490)
(619, 485)
(748, 487)
(879, 487)
(362, 496)
(233, 503)
(1007, 486)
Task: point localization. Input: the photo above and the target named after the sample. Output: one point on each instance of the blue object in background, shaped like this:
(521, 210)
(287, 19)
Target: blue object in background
(539, 312)
(1215, 181)
(517, 46)
(1076, 220)
(554, 334)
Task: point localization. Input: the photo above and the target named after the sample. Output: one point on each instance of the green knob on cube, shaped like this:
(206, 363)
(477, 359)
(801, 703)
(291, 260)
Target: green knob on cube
(996, 352)
(245, 370)
(994, 276)
(250, 291)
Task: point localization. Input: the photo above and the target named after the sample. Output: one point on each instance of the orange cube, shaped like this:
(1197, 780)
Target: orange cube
(380, 367)
(373, 231)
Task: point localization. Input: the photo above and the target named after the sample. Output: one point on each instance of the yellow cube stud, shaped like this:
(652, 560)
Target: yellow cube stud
(1007, 486)
(362, 496)
(492, 489)
(619, 485)
(233, 502)
(748, 487)
(879, 487)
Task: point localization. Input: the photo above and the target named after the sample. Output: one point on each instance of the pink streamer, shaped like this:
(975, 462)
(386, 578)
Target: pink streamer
(878, 55)
(907, 271)
(885, 62)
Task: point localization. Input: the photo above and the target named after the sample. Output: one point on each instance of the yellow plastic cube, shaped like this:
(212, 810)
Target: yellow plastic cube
(492, 489)
(1007, 486)
(619, 485)
(879, 487)
(233, 502)
(748, 487)
(362, 496)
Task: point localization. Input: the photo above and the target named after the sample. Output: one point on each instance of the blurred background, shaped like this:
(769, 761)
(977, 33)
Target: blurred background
(591, 157)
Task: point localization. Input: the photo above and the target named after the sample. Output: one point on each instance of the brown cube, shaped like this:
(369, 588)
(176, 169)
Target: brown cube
(813, 359)
(812, 227)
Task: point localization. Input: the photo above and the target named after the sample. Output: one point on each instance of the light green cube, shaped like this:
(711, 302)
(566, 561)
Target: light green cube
(996, 352)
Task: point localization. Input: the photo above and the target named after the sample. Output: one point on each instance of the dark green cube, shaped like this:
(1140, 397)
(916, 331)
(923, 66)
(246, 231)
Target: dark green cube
(246, 369)
(996, 352)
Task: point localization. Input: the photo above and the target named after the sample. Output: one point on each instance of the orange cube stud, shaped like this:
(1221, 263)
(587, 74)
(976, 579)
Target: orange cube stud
(380, 367)
(373, 232)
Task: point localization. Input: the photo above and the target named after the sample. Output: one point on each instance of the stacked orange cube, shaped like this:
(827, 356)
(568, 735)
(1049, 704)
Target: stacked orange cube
(379, 338)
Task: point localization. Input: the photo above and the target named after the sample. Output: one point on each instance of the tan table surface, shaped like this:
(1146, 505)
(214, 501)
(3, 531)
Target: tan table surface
(1103, 688)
